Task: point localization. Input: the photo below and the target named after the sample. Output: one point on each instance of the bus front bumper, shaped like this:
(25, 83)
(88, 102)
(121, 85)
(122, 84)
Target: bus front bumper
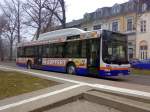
(110, 73)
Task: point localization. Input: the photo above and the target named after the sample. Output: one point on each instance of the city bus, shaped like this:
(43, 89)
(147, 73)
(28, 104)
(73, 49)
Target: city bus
(74, 51)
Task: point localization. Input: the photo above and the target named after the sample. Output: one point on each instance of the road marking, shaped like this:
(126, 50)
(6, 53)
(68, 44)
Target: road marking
(79, 83)
(39, 97)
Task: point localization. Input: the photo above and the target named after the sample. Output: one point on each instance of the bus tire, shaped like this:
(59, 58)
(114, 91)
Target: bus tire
(71, 69)
(29, 65)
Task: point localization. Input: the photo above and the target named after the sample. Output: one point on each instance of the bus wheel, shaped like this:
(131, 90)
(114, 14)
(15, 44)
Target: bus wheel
(29, 65)
(71, 69)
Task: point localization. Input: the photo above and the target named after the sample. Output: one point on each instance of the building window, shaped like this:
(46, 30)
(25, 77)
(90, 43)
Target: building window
(116, 8)
(115, 26)
(143, 26)
(143, 50)
(99, 12)
(96, 27)
(129, 24)
(130, 5)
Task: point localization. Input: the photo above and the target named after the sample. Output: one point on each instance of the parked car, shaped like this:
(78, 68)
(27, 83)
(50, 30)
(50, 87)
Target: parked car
(141, 64)
(133, 62)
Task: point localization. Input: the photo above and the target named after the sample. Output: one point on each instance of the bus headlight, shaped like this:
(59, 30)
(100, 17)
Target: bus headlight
(107, 70)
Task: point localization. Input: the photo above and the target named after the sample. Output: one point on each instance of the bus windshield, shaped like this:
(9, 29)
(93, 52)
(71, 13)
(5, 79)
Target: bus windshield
(114, 48)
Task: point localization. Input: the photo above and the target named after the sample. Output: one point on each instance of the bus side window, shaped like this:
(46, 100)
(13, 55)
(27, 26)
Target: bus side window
(20, 52)
(23, 52)
(46, 51)
(83, 49)
(73, 49)
(60, 50)
(76, 49)
(35, 51)
(40, 51)
(68, 50)
(51, 51)
(29, 51)
(55, 50)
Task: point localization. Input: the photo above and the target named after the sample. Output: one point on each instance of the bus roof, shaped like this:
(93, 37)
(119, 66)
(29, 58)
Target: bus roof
(62, 36)
(60, 33)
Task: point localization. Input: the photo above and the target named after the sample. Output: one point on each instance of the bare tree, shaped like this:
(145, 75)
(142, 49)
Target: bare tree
(50, 22)
(58, 9)
(11, 26)
(62, 16)
(44, 14)
(3, 23)
(36, 12)
(17, 4)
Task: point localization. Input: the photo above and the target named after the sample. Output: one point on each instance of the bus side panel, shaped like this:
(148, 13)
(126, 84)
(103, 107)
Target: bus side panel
(81, 71)
(54, 68)
(81, 66)
(21, 64)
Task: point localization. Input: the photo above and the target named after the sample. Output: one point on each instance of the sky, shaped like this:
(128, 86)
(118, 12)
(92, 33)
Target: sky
(75, 9)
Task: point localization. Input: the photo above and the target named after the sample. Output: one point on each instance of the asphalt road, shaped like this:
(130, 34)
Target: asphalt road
(137, 82)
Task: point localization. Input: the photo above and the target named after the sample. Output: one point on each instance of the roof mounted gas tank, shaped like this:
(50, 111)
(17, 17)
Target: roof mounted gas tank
(60, 33)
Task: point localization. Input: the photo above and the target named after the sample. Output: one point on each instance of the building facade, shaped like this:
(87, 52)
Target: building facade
(143, 36)
(131, 18)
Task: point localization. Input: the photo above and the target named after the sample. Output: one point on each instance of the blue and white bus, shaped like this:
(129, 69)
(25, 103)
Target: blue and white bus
(74, 51)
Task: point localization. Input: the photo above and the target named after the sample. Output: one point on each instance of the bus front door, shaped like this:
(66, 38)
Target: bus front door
(93, 55)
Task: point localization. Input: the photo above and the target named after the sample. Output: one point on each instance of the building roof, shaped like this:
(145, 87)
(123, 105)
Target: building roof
(74, 23)
(132, 6)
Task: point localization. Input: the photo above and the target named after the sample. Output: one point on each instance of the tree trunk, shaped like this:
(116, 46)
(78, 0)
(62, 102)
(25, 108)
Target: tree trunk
(11, 49)
(1, 50)
(19, 39)
(63, 13)
(18, 19)
(11, 53)
(38, 32)
(39, 24)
